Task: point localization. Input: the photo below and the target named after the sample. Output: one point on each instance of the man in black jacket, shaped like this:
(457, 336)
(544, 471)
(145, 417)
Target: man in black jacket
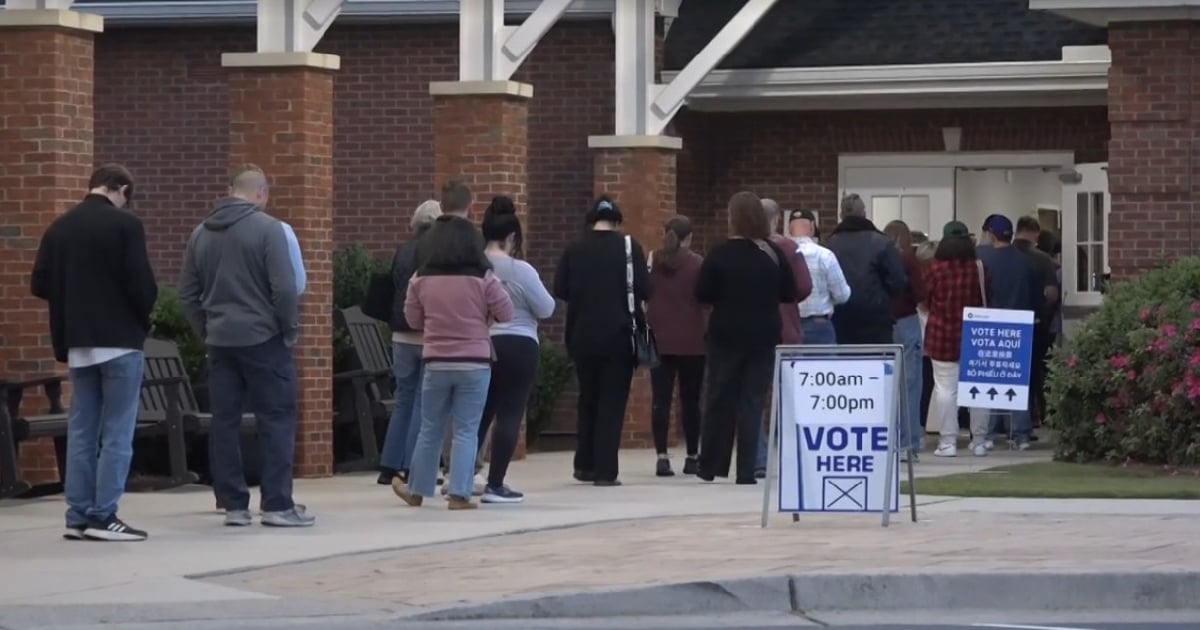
(407, 369)
(875, 272)
(93, 270)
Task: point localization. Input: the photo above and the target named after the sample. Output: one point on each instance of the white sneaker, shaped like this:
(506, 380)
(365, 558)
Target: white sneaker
(946, 450)
(1024, 446)
(980, 450)
(989, 444)
(480, 485)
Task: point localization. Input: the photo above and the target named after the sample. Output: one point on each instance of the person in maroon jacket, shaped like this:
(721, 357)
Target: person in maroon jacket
(907, 333)
(791, 332)
(677, 319)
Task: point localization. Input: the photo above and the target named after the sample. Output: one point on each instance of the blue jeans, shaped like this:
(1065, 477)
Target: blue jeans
(105, 400)
(456, 396)
(402, 429)
(265, 376)
(818, 331)
(1021, 427)
(908, 334)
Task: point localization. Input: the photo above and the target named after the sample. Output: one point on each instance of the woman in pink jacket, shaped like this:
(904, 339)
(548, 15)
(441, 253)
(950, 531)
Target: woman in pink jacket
(453, 299)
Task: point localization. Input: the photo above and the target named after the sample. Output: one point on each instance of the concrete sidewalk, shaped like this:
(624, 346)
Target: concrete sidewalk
(952, 537)
(369, 554)
(354, 516)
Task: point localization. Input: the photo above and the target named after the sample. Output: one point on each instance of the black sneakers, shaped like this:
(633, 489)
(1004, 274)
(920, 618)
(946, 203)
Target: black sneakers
(114, 530)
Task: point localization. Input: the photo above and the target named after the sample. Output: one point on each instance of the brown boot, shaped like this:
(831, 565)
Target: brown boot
(406, 495)
(459, 503)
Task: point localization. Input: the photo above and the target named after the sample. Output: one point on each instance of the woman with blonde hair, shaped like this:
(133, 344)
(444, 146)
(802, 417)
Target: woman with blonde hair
(677, 319)
(907, 332)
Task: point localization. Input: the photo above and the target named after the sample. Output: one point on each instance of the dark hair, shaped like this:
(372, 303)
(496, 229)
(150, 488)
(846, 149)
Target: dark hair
(456, 196)
(955, 248)
(675, 232)
(112, 177)
(1028, 224)
(500, 220)
(1049, 243)
(604, 209)
(746, 217)
(900, 234)
(454, 244)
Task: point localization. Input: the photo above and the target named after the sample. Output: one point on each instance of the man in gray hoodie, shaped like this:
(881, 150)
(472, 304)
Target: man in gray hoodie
(239, 292)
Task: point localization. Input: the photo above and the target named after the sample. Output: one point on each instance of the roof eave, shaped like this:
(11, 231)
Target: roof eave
(1105, 12)
(932, 84)
(237, 11)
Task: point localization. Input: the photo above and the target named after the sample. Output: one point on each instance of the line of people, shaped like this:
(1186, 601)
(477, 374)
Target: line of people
(464, 311)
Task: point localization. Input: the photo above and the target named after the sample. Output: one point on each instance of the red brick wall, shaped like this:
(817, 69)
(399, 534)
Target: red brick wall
(45, 159)
(792, 157)
(1153, 167)
(162, 108)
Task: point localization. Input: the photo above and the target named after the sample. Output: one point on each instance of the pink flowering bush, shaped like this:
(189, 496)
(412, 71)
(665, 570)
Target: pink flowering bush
(1127, 385)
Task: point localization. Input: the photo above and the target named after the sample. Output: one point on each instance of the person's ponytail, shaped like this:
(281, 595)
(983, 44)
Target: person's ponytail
(674, 233)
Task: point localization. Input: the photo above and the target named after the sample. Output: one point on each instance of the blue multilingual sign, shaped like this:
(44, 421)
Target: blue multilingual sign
(996, 360)
(835, 431)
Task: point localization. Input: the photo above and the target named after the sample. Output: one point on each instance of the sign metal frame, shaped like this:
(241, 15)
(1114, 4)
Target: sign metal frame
(883, 352)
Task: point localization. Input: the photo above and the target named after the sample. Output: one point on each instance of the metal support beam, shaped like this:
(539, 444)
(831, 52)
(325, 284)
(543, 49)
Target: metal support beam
(490, 51)
(286, 26)
(644, 107)
(38, 5)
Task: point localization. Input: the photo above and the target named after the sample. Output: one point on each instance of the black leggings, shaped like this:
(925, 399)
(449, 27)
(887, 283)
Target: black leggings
(513, 374)
(662, 382)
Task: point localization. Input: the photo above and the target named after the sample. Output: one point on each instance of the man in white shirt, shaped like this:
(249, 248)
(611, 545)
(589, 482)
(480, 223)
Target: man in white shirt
(829, 287)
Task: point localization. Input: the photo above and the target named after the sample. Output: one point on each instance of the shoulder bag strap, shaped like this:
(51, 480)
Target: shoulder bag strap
(769, 250)
(982, 283)
(629, 280)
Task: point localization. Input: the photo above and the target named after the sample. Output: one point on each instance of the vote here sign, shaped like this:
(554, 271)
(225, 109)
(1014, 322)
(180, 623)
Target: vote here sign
(834, 432)
(996, 360)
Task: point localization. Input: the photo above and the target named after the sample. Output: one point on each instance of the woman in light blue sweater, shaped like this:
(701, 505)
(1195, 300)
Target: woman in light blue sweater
(515, 343)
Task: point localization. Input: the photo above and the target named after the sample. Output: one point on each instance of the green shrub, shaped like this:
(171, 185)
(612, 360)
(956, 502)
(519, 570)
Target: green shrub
(352, 270)
(168, 323)
(554, 372)
(1127, 386)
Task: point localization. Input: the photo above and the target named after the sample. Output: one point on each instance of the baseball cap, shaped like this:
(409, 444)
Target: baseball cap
(998, 224)
(807, 215)
(955, 229)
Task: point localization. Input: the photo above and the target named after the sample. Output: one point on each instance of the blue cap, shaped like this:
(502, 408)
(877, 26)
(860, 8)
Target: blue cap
(998, 225)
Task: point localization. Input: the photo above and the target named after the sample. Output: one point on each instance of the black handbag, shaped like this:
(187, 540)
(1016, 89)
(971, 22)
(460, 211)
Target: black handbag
(645, 349)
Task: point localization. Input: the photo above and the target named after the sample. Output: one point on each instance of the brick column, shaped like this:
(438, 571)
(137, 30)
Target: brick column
(281, 119)
(46, 75)
(481, 136)
(1154, 164)
(638, 172)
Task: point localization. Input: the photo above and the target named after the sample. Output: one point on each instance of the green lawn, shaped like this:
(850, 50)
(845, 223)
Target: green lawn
(1058, 480)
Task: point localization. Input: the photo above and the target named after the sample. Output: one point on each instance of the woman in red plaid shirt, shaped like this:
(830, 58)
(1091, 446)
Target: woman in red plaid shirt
(956, 280)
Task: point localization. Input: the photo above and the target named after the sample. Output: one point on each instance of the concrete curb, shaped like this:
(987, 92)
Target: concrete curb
(858, 592)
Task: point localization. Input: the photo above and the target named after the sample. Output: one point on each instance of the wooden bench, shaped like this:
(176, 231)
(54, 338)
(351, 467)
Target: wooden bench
(364, 394)
(160, 416)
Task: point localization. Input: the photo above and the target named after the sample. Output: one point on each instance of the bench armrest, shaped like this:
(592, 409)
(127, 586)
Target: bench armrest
(361, 374)
(13, 392)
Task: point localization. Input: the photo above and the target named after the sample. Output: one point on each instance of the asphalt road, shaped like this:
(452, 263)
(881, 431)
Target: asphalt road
(724, 622)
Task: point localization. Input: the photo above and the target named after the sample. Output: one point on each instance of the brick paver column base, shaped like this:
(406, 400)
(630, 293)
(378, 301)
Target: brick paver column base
(481, 136)
(638, 172)
(281, 119)
(1154, 162)
(46, 122)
